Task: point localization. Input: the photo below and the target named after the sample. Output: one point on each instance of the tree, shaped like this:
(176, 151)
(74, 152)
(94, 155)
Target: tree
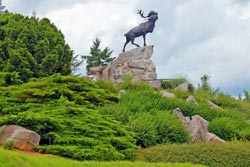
(247, 96)
(97, 56)
(32, 47)
(204, 83)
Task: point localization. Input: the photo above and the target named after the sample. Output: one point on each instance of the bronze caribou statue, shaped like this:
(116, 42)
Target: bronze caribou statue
(142, 29)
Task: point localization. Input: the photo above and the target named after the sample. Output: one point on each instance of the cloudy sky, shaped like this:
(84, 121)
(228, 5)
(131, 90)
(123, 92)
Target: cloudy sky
(191, 38)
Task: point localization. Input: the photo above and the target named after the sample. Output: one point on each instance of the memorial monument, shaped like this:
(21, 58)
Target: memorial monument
(135, 62)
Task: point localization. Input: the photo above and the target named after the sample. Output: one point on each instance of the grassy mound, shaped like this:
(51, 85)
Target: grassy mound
(62, 109)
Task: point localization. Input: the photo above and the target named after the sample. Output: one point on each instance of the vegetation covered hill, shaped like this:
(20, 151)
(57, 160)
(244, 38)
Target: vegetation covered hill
(147, 114)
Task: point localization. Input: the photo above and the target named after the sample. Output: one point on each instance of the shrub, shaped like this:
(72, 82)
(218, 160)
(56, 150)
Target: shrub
(210, 154)
(9, 145)
(227, 128)
(144, 127)
(62, 109)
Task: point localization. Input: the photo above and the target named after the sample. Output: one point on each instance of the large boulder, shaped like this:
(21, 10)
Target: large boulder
(23, 138)
(135, 62)
(197, 127)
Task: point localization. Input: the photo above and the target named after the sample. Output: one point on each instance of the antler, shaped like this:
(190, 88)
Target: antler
(140, 12)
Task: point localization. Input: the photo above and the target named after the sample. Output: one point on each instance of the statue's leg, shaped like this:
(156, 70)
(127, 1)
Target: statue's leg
(132, 42)
(144, 39)
(125, 45)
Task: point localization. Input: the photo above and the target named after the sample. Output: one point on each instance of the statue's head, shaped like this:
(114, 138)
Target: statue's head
(152, 15)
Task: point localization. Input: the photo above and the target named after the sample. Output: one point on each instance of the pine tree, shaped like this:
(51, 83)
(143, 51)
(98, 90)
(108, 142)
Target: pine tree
(97, 56)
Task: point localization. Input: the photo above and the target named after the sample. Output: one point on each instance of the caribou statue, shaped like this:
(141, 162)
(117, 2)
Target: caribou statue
(142, 29)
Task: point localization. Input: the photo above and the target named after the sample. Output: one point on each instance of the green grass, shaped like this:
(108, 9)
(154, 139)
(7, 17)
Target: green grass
(13, 159)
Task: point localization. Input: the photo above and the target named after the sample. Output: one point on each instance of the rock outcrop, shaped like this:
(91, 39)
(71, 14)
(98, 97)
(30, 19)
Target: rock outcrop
(23, 139)
(197, 127)
(135, 62)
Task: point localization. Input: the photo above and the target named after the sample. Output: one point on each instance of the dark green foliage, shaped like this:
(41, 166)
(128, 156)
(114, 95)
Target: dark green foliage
(62, 109)
(230, 128)
(7, 78)
(32, 47)
(210, 154)
(97, 56)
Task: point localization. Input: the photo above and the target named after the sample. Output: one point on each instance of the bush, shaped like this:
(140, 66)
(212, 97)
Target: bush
(227, 128)
(62, 109)
(210, 154)
(9, 145)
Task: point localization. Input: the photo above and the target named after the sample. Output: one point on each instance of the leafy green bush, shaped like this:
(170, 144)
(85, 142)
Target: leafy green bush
(228, 128)
(62, 109)
(210, 154)
(9, 145)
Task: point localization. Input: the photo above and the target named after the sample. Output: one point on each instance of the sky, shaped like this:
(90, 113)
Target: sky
(191, 38)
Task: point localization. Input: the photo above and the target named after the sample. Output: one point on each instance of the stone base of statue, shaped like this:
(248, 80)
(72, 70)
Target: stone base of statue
(135, 62)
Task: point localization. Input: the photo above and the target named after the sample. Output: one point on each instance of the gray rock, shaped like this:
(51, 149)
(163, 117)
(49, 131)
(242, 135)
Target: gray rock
(155, 84)
(197, 127)
(135, 62)
(191, 99)
(212, 105)
(167, 94)
(23, 138)
(183, 86)
(121, 93)
(135, 54)
(185, 120)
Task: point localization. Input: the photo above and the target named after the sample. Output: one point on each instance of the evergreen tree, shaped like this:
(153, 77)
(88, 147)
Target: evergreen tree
(97, 56)
(32, 47)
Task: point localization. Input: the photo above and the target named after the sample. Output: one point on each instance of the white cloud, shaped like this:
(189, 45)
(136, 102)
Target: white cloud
(191, 38)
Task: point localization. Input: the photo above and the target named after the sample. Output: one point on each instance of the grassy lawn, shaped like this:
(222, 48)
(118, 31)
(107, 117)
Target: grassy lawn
(19, 159)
